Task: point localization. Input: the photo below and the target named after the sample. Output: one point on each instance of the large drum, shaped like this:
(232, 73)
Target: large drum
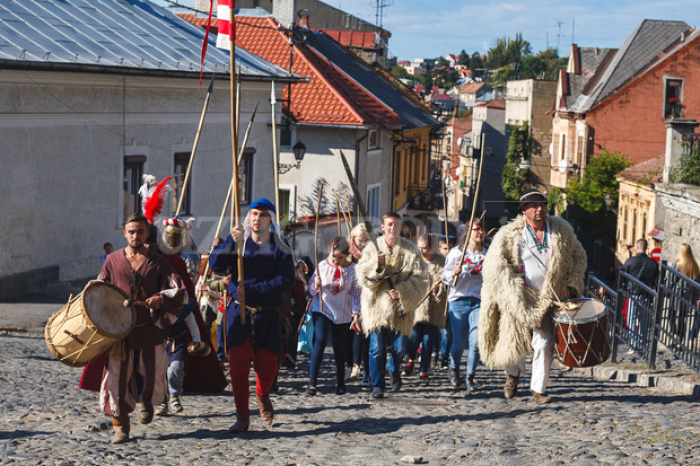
(582, 332)
(89, 324)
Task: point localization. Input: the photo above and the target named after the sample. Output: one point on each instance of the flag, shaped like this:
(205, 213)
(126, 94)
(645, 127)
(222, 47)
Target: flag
(205, 42)
(223, 38)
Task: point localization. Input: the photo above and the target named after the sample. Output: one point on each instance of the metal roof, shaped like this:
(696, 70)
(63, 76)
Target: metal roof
(117, 36)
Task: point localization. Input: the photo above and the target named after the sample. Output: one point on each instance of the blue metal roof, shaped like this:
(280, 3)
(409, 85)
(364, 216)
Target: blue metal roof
(123, 36)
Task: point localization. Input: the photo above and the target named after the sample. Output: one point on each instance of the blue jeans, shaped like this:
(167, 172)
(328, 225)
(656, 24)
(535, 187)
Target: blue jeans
(426, 334)
(464, 319)
(322, 328)
(377, 355)
(445, 341)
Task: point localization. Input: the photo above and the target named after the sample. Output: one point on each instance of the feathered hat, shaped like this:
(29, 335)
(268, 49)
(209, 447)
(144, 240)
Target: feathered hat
(152, 203)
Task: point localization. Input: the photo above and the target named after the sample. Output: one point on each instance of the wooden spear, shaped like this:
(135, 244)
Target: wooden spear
(337, 214)
(318, 210)
(444, 207)
(234, 148)
(347, 201)
(183, 188)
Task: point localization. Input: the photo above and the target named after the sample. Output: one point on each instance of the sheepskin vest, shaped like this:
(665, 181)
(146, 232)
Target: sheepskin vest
(509, 309)
(432, 310)
(411, 283)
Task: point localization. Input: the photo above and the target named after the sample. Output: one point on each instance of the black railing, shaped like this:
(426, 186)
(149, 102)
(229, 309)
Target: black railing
(691, 141)
(644, 317)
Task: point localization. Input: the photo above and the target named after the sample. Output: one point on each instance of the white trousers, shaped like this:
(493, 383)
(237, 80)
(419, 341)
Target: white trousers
(542, 347)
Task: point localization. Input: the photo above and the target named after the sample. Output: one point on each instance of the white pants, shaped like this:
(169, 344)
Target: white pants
(542, 346)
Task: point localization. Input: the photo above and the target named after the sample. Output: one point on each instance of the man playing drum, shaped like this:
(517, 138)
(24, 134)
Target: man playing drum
(136, 366)
(533, 261)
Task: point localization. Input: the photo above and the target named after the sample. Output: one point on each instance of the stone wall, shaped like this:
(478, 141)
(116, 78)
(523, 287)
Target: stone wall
(681, 209)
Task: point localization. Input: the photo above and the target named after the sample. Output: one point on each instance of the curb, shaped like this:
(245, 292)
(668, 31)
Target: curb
(642, 378)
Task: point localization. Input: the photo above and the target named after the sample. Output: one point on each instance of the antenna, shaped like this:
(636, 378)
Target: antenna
(573, 30)
(559, 23)
(380, 5)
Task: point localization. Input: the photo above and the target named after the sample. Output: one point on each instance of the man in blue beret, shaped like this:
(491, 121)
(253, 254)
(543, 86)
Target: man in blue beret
(268, 266)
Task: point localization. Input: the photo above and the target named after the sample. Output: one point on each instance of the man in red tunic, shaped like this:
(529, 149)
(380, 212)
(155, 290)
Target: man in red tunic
(136, 367)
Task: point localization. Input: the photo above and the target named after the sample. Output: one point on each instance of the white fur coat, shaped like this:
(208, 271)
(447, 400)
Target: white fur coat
(432, 310)
(509, 309)
(412, 284)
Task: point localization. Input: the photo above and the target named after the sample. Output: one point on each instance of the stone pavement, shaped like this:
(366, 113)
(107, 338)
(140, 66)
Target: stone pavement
(46, 420)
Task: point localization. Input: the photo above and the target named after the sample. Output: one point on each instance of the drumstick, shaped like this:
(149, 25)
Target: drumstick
(131, 302)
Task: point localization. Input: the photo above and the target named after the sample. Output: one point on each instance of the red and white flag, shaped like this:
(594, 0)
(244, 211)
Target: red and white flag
(226, 32)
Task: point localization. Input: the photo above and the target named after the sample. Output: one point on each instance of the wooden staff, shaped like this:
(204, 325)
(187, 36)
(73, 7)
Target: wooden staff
(345, 217)
(234, 148)
(247, 133)
(337, 215)
(347, 201)
(216, 235)
(474, 205)
(444, 207)
(181, 198)
(318, 209)
(275, 154)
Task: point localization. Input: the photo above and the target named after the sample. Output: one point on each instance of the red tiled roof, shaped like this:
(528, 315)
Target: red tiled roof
(648, 172)
(360, 39)
(330, 97)
(471, 88)
(498, 102)
(202, 22)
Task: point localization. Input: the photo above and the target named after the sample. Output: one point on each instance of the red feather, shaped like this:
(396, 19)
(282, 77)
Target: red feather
(154, 203)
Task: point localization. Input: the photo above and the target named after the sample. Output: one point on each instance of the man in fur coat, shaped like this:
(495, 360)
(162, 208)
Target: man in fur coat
(533, 261)
(388, 313)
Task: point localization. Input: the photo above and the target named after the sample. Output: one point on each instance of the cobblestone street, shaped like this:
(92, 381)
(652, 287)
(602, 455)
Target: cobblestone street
(46, 419)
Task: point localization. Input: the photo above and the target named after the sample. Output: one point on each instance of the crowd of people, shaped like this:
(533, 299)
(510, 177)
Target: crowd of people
(395, 304)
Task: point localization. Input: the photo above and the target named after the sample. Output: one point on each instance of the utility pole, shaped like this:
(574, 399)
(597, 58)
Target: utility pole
(379, 6)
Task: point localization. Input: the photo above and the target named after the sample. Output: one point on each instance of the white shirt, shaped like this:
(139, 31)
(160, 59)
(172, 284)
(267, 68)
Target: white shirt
(341, 292)
(470, 280)
(535, 256)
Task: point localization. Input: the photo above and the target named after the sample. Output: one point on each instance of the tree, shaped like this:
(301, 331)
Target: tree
(688, 170)
(400, 72)
(586, 196)
(513, 178)
(463, 58)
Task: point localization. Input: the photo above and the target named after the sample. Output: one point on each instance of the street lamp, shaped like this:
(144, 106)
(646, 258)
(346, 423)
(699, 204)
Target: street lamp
(299, 150)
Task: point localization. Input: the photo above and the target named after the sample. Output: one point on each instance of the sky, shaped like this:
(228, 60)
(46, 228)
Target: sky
(432, 28)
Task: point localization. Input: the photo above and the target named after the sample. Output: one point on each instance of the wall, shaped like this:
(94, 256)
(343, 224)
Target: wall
(65, 136)
(632, 120)
(681, 208)
(491, 121)
(638, 203)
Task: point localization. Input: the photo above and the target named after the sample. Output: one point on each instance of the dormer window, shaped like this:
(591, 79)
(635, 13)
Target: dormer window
(673, 98)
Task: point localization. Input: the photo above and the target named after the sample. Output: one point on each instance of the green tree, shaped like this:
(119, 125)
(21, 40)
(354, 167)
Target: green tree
(514, 179)
(688, 170)
(586, 195)
(463, 58)
(400, 72)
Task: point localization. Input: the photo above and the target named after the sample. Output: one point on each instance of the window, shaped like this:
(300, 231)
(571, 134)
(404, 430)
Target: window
(133, 170)
(624, 225)
(286, 134)
(673, 98)
(285, 196)
(373, 193)
(562, 148)
(581, 155)
(398, 173)
(644, 224)
(373, 139)
(246, 173)
(182, 160)
(633, 220)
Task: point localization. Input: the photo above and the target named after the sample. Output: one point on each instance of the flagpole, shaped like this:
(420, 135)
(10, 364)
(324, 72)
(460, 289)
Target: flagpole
(234, 149)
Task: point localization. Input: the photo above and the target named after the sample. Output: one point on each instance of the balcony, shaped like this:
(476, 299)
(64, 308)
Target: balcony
(691, 142)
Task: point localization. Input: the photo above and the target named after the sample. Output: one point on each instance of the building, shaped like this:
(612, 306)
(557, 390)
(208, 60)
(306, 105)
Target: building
(583, 124)
(368, 41)
(530, 101)
(90, 106)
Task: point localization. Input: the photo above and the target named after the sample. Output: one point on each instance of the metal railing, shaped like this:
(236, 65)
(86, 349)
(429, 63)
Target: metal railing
(643, 317)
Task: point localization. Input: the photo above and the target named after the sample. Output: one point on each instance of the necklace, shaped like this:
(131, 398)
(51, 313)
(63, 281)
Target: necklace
(543, 245)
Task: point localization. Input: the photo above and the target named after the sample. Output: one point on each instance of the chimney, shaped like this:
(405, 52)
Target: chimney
(284, 11)
(675, 129)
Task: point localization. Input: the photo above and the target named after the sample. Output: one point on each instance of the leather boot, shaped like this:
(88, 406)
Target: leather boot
(122, 427)
(242, 423)
(145, 412)
(267, 412)
(511, 387)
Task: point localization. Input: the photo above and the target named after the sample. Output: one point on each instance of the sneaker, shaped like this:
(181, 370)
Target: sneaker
(311, 390)
(396, 384)
(423, 377)
(453, 377)
(541, 398)
(377, 392)
(444, 363)
(355, 372)
(511, 387)
(408, 370)
(162, 409)
(364, 381)
(175, 404)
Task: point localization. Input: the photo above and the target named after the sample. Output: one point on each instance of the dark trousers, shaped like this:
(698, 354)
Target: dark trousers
(323, 327)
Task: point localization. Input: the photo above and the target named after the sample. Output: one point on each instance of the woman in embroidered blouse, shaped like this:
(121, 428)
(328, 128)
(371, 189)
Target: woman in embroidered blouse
(464, 303)
(340, 294)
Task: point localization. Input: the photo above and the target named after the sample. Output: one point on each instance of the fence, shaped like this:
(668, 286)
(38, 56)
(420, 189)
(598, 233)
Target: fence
(643, 317)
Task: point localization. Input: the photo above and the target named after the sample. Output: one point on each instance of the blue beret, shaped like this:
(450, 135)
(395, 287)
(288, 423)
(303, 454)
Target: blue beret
(263, 204)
